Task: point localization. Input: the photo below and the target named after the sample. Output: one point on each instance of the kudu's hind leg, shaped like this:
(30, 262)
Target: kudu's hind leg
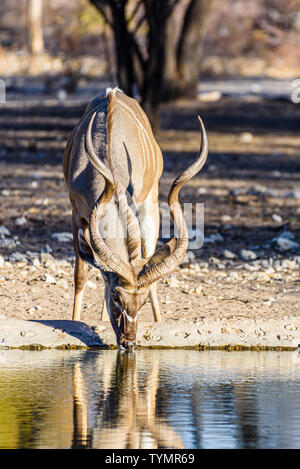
(80, 271)
(149, 222)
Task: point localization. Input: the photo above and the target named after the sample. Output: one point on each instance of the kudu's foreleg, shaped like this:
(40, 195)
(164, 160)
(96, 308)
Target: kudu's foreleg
(80, 270)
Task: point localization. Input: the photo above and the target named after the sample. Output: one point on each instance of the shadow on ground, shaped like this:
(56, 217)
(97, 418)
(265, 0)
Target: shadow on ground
(77, 329)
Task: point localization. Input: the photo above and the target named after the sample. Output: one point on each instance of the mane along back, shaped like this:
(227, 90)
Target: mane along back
(133, 153)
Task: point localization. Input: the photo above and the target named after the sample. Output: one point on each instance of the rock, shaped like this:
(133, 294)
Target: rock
(252, 267)
(226, 218)
(210, 96)
(46, 249)
(289, 264)
(201, 190)
(61, 95)
(269, 270)
(48, 278)
(32, 310)
(46, 258)
(2, 261)
(246, 137)
(264, 263)
(18, 257)
(277, 266)
(213, 260)
(172, 282)
(285, 244)
(277, 218)
(9, 243)
(261, 276)
(236, 191)
(295, 194)
(213, 238)
(189, 257)
(269, 301)
(260, 190)
(21, 221)
(290, 327)
(5, 193)
(62, 237)
(194, 267)
(193, 291)
(248, 255)
(32, 254)
(91, 285)
(234, 275)
(198, 289)
(4, 231)
(228, 254)
(63, 283)
(287, 235)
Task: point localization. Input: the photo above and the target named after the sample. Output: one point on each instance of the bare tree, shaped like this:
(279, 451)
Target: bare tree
(35, 26)
(157, 47)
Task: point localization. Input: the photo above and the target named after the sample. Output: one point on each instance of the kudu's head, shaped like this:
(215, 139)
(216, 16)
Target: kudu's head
(128, 280)
(123, 296)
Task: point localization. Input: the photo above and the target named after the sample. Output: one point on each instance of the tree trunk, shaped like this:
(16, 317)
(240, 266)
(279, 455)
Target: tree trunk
(182, 72)
(170, 66)
(123, 51)
(35, 26)
(151, 90)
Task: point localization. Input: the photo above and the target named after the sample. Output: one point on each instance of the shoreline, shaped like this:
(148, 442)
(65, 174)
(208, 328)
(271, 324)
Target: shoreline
(257, 335)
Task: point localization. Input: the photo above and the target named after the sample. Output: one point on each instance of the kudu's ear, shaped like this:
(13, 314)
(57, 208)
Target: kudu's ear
(85, 250)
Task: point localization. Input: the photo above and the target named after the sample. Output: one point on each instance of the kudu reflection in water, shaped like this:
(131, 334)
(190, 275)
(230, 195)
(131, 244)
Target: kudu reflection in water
(126, 408)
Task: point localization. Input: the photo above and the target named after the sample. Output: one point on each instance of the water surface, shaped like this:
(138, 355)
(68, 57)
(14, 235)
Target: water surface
(149, 399)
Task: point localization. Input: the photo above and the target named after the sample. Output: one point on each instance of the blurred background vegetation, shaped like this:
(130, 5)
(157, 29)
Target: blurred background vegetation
(241, 36)
(154, 49)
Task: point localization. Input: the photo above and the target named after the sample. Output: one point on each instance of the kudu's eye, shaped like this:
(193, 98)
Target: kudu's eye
(115, 298)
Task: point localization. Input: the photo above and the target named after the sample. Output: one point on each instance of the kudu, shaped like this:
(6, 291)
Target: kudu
(112, 166)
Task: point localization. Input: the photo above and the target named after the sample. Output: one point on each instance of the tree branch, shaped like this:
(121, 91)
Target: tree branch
(138, 4)
(100, 5)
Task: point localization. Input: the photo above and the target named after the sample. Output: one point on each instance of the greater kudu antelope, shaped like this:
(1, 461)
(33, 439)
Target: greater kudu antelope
(112, 155)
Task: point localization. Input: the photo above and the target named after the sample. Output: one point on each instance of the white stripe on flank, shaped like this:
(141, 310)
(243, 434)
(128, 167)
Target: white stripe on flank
(141, 131)
(145, 133)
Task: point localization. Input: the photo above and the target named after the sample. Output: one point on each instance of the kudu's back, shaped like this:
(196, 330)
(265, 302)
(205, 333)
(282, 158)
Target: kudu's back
(123, 140)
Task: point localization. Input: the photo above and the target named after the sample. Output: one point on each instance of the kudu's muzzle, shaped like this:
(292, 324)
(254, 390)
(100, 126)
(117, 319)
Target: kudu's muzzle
(127, 345)
(127, 336)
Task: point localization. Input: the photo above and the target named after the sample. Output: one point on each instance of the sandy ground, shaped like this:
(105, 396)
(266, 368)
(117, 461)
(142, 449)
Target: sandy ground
(251, 194)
